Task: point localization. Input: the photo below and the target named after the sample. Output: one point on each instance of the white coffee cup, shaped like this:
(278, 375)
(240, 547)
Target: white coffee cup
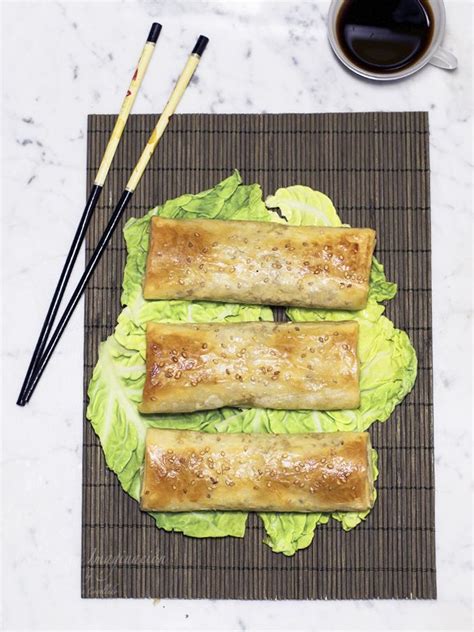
(434, 54)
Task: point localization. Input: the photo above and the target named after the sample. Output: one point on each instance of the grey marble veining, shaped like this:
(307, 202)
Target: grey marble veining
(77, 58)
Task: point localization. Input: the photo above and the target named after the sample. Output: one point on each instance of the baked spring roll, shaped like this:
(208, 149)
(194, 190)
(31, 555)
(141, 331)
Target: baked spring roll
(286, 366)
(259, 263)
(192, 471)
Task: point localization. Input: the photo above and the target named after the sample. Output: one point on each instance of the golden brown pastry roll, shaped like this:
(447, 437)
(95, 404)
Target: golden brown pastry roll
(192, 471)
(258, 364)
(259, 262)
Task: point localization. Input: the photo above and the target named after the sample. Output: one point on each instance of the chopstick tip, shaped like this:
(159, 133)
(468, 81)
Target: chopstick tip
(200, 45)
(154, 32)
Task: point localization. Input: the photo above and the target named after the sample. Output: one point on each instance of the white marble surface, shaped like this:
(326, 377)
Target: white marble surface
(62, 60)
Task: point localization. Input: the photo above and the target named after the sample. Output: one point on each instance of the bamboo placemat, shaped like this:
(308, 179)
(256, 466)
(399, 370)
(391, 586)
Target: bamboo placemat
(375, 167)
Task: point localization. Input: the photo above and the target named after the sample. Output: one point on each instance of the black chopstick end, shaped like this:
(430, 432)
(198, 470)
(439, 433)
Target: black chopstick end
(20, 401)
(200, 45)
(154, 32)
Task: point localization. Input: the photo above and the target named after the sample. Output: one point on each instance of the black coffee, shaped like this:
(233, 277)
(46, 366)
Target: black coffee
(384, 36)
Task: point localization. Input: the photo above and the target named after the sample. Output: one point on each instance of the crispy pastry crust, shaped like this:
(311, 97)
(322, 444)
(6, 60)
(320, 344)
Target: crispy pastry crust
(286, 366)
(191, 471)
(259, 263)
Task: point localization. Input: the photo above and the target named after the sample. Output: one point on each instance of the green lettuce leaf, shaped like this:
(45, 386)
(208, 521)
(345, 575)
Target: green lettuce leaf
(302, 206)
(228, 200)
(289, 532)
(117, 382)
(388, 363)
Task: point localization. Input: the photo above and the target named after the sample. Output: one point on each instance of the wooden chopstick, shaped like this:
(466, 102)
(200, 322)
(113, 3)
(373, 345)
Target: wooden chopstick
(91, 203)
(137, 173)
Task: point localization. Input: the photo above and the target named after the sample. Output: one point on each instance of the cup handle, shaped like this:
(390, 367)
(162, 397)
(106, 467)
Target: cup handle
(443, 59)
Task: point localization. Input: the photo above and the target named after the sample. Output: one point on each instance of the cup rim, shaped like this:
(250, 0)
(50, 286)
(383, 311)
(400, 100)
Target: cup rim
(440, 25)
